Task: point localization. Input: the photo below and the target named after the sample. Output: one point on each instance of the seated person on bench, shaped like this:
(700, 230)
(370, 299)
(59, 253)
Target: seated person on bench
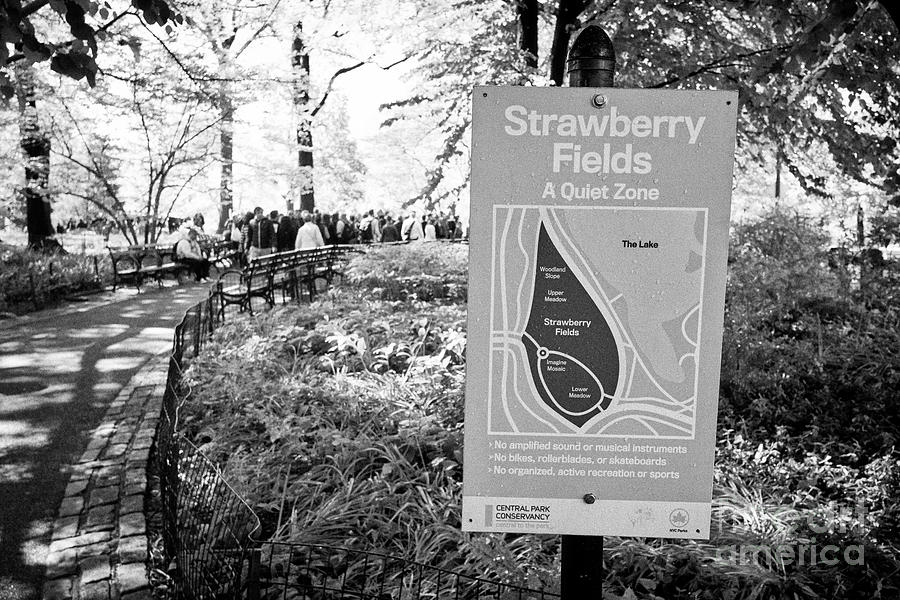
(188, 252)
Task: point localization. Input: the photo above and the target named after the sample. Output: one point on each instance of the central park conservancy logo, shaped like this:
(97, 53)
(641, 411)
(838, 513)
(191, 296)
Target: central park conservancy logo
(503, 514)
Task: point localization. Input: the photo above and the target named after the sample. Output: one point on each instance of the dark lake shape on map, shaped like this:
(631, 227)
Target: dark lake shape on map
(571, 350)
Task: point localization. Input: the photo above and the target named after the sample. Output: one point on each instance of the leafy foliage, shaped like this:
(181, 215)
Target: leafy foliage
(31, 279)
(356, 404)
(101, 170)
(809, 74)
(803, 351)
(341, 423)
(472, 42)
(423, 271)
(86, 21)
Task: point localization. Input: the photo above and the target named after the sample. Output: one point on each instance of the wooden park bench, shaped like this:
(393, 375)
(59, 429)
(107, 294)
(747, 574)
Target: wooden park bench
(291, 273)
(135, 264)
(220, 252)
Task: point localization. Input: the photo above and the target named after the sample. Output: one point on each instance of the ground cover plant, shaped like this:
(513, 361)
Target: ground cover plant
(30, 280)
(341, 423)
(422, 272)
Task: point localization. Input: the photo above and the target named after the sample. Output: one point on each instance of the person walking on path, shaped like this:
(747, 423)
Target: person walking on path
(262, 235)
(246, 236)
(309, 235)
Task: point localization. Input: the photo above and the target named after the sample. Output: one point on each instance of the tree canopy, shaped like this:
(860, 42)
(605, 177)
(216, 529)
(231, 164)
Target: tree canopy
(819, 81)
(66, 32)
(810, 74)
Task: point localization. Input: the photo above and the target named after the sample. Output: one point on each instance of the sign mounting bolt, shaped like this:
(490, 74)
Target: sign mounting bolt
(598, 100)
(589, 498)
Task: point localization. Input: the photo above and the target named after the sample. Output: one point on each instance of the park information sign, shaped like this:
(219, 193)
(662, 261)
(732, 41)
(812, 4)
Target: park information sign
(598, 241)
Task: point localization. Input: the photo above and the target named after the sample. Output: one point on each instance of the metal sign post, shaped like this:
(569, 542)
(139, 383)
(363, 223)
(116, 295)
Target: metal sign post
(591, 63)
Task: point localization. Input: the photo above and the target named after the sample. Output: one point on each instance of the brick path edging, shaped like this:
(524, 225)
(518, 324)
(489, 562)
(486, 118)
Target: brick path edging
(99, 546)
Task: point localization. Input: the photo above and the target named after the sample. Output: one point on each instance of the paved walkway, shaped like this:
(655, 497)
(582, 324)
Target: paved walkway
(99, 546)
(74, 425)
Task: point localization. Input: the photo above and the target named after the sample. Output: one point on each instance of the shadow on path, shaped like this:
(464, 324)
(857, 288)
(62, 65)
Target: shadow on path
(57, 375)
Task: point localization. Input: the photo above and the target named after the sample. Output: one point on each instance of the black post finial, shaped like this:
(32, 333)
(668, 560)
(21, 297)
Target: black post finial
(592, 59)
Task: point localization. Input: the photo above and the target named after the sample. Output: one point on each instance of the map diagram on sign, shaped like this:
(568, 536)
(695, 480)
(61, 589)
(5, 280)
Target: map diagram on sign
(595, 320)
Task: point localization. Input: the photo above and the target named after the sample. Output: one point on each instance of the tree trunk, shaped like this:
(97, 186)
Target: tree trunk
(778, 174)
(567, 14)
(860, 227)
(36, 154)
(226, 148)
(527, 11)
(300, 64)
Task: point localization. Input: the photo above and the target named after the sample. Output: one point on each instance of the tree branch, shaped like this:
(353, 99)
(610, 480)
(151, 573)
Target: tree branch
(345, 70)
(266, 22)
(184, 184)
(97, 170)
(717, 64)
(111, 22)
(816, 72)
(35, 6)
(194, 78)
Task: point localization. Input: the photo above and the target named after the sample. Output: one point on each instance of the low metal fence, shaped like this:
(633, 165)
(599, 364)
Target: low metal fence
(209, 529)
(212, 526)
(196, 327)
(297, 571)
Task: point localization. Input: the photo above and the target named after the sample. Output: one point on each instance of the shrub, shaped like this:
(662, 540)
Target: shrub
(31, 280)
(801, 352)
(420, 271)
(341, 423)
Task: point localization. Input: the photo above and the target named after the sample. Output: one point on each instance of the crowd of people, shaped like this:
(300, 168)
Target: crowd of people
(104, 226)
(258, 234)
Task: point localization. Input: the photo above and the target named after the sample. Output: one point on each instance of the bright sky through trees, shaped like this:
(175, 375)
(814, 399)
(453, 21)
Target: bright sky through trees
(387, 97)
